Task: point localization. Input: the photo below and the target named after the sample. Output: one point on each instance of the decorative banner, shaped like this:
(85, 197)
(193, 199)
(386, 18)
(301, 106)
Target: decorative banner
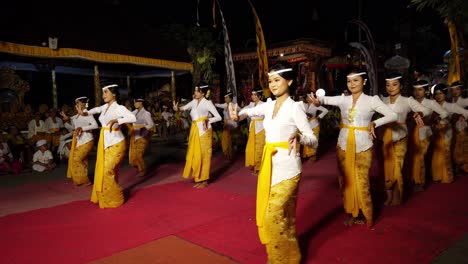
(454, 59)
(261, 54)
(97, 87)
(230, 73)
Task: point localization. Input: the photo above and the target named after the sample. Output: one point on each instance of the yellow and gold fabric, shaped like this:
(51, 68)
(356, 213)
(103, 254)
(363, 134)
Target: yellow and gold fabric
(418, 149)
(441, 159)
(394, 156)
(78, 162)
(280, 223)
(254, 147)
(226, 142)
(309, 152)
(356, 194)
(357, 189)
(198, 158)
(460, 151)
(264, 185)
(106, 190)
(137, 149)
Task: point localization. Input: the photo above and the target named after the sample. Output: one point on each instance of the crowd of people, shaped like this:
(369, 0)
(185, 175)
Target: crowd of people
(282, 133)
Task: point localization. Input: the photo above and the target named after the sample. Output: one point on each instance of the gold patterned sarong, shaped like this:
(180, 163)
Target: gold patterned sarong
(106, 190)
(394, 156)
(441, 159)
(309, 152)
(226, 142)
(280, 223)
(78, 162)
(355, 182)
(418, 149)
(264, 185)
(460, 151)
(198, 158)
(254, 147)
(137, 150)
(355, 185)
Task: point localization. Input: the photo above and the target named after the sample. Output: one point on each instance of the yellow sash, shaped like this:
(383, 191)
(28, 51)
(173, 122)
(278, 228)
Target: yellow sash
(193, 157)
(99, 170)
(70, 157)
(132, 138)
(250, 147)
(351, 204)
(264, 185)
(389, 153)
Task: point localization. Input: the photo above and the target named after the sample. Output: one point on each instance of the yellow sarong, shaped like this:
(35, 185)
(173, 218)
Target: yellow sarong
(418, 150)
(78, 162)
(280, 221)
(441, 159)
(70, 157)
(394, 155)
(226, 142)
(198, 158)
(252, 154)
(137, 149)
(264, 185)
(351, 196)
(106, 190)
(309, 152)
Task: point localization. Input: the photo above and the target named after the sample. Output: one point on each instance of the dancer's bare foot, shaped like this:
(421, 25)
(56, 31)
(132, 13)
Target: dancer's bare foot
(196, 185)
(369, 223)
(203, 184)
(141, 173)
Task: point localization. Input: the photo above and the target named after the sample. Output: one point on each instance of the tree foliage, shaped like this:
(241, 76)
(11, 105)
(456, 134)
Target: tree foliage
(455, 10)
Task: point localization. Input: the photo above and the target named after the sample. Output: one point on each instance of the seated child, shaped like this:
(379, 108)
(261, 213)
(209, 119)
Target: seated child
(42, 159)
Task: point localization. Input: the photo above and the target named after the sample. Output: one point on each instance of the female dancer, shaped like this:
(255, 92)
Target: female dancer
(229, 125)
(421, 134)
(314, 123)
(140, 136)
(460, 151)
(280, 173)
(198, 159)
(354, 148)
(442, 170)
(82, 143)
(256, 139)
(111, 148)
(395, 138)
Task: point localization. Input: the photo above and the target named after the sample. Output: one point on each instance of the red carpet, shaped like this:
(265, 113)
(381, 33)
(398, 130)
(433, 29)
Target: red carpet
(222, 218)
(166, 250)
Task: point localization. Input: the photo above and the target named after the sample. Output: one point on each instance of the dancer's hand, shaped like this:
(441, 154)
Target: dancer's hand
(292, 144)
(64, 116)
(372, 130)
(205, 125)
(111, 123)
(78, 131)
(418, 119)
(175, 106)
(314, 99)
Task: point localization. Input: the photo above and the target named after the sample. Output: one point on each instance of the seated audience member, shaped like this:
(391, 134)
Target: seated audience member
(42, 159)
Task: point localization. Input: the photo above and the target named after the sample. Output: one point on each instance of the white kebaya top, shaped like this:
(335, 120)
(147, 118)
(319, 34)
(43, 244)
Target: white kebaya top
(108, 113)
(199, 109)
(359, 116)
(290, 118)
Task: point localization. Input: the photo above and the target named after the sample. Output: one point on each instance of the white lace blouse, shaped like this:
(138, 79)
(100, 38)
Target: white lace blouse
(402, 106)
(199, 109)
(290, 118)
(361, 116)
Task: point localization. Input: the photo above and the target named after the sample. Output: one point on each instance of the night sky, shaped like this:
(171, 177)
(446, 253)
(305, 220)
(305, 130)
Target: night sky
(134, 26)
